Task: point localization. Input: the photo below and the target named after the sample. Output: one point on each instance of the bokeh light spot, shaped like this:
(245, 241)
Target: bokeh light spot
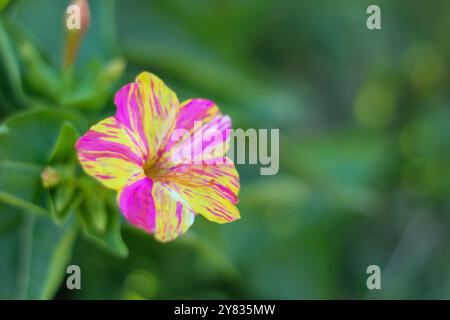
(374, 106)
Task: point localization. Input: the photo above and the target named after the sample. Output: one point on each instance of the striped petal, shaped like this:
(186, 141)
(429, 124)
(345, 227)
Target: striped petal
(157, 208)
(211, 190)
(110, 152)
(149, 109)
(201, 135)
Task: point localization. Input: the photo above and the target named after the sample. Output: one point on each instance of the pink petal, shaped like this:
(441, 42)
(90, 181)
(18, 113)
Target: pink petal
(155, 207)
(201, 145)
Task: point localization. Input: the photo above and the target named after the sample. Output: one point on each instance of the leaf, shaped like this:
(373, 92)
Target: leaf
(62, 200)
(94, 214)
(100, 219)
(63, 159)
(18, 182)
(32, 134)
(43, 247)
(3, 4)
(351, 156)
(9, 67)
(111, 238)
(19, 203)
(61, 258)
(39, 75)
(36, 249)
(34, 252)
(25, 142)
(346, 165)
(94, 87)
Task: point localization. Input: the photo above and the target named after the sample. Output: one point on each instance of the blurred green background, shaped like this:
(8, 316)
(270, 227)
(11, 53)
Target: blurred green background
(364, 148)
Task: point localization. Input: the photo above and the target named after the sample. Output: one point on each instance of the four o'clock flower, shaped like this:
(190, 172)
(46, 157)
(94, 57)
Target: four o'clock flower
(133, 153)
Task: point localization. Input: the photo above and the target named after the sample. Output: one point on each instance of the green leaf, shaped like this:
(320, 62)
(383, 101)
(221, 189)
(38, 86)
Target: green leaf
(20, 203)
(34, 252)
(100, 218)
(346, 165)
(92, 90)
(64, 149)
(62, 200)
(31, 135)
(357, 158)
(40, 76)
(3, 4)
(18, 185)
(93, 214)
(61, 258)
(9, 67)
(111, 238)
(38, 248)
(25, 143)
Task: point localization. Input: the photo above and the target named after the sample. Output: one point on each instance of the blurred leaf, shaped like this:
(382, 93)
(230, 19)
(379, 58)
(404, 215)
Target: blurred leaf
(345, 157)
(63, 199)
(31, 135)
(18, 182)
(100, 219)
(94, 86)
(94, 214)
(3, 4)
(63, 160)
(284, 190)
(64, 149)
(348, 166)
(9, 68)
(25, 142)
(111, 238)
(41, 76)
(34, 254)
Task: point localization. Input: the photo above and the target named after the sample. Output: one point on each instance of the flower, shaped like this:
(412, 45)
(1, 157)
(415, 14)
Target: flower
(133, 153)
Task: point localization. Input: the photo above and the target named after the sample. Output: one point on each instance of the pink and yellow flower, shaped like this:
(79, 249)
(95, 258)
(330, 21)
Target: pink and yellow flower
(132, 154)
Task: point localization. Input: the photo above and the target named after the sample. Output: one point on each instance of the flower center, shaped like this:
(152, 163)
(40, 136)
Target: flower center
(150, 170)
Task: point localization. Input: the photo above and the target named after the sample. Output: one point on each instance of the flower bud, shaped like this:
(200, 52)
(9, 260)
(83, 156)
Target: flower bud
(50, 177)
(77, 22)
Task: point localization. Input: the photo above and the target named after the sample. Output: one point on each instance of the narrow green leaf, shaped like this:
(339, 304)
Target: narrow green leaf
(9, 66)
(20, 203)
(59, 262)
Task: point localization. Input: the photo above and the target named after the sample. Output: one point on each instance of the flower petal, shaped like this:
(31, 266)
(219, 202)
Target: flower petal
(174, 215)
(155, 207)
(148, 108)
(205, 138)
(110, 152)
(211, 190)
(137, 204)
